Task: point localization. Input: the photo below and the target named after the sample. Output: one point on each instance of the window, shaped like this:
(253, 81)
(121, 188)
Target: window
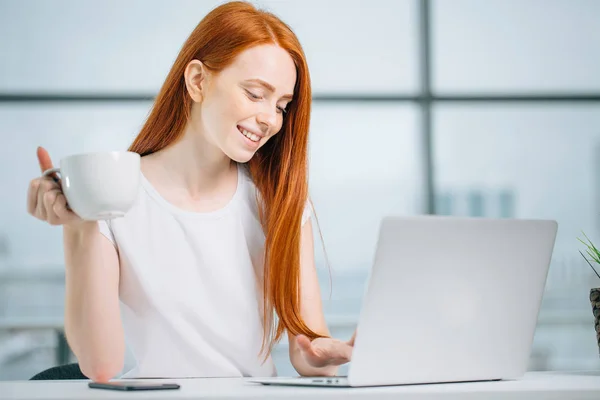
(512, 46)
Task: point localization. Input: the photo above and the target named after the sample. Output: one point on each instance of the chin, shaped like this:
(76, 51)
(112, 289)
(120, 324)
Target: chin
(240, 156)
(238, 150)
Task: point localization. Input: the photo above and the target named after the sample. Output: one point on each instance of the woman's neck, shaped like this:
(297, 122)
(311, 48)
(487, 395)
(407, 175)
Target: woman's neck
(192, 165)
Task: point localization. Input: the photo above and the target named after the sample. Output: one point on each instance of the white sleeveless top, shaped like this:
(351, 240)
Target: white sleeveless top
(190, 286)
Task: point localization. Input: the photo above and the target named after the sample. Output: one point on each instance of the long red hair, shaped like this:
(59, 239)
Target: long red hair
(279, 169)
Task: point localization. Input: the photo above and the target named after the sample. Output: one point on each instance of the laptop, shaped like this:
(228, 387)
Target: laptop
(448, 299)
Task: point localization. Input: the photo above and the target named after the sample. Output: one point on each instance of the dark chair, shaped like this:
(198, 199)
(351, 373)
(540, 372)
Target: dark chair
(67, 371)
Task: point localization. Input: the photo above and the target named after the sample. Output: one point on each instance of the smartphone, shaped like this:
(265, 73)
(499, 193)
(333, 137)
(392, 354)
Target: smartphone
(133, 386)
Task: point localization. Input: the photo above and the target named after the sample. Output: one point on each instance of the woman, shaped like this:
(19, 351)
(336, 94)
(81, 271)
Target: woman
(220, 237)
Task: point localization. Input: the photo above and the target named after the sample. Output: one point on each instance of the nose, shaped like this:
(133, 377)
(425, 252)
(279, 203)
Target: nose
(266, 121)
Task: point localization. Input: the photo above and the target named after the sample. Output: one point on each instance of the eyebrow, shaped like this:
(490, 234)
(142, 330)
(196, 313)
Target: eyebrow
(269, 87)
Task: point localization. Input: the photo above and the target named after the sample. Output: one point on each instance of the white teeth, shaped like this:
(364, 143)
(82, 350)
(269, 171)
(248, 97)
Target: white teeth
(251, 136)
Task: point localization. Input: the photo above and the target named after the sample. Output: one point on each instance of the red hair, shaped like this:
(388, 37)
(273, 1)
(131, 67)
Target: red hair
(279, 169)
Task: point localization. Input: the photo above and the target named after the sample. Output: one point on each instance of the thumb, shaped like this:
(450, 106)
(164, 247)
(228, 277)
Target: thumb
(303, 342)
(44, 159)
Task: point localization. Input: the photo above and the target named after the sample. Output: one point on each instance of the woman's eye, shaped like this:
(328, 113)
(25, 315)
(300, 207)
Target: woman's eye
(252, 95)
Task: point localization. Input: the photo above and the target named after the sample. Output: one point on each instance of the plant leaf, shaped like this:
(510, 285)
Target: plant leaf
(594, 269)
(593, 256)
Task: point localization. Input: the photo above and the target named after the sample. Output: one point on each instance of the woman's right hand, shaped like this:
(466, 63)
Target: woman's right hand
(45, 199)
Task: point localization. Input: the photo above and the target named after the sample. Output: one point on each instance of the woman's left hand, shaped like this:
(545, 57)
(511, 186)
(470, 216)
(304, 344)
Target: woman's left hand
(323, 352)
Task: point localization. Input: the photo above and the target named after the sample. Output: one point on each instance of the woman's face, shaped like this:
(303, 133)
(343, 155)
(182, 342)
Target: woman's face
(244, 105)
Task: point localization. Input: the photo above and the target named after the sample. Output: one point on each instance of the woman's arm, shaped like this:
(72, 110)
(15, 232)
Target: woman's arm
(92, 314)
(311, 310)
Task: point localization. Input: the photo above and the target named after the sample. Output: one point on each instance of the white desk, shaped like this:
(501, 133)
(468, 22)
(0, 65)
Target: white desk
(534, 386)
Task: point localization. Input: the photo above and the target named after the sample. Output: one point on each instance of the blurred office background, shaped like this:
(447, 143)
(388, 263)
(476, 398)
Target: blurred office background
(458, 107)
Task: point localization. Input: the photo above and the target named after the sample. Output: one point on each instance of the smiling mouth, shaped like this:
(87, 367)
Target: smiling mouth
(249, 135)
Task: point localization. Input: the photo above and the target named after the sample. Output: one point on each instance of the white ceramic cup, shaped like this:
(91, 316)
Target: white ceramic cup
(99, 185)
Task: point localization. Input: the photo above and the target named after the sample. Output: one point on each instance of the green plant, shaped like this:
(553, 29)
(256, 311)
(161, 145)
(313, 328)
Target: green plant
(592, 251)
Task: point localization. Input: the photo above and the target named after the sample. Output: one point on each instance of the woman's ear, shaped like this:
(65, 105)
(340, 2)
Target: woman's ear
(195, 79)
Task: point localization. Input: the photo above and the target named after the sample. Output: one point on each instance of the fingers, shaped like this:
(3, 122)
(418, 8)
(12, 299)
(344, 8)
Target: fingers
(59, 208)
(347, 353)
(337, 351)
(55, 205)
(324, 351)
(32, 195)
(62, 210)
(47, 202)
(44, 159)
(352, 339)
(49, 198)
(309, 353)
(58, 213)
(45, 199)
(40, 209)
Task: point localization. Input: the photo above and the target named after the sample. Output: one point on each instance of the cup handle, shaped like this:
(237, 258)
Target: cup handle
(50, 172)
